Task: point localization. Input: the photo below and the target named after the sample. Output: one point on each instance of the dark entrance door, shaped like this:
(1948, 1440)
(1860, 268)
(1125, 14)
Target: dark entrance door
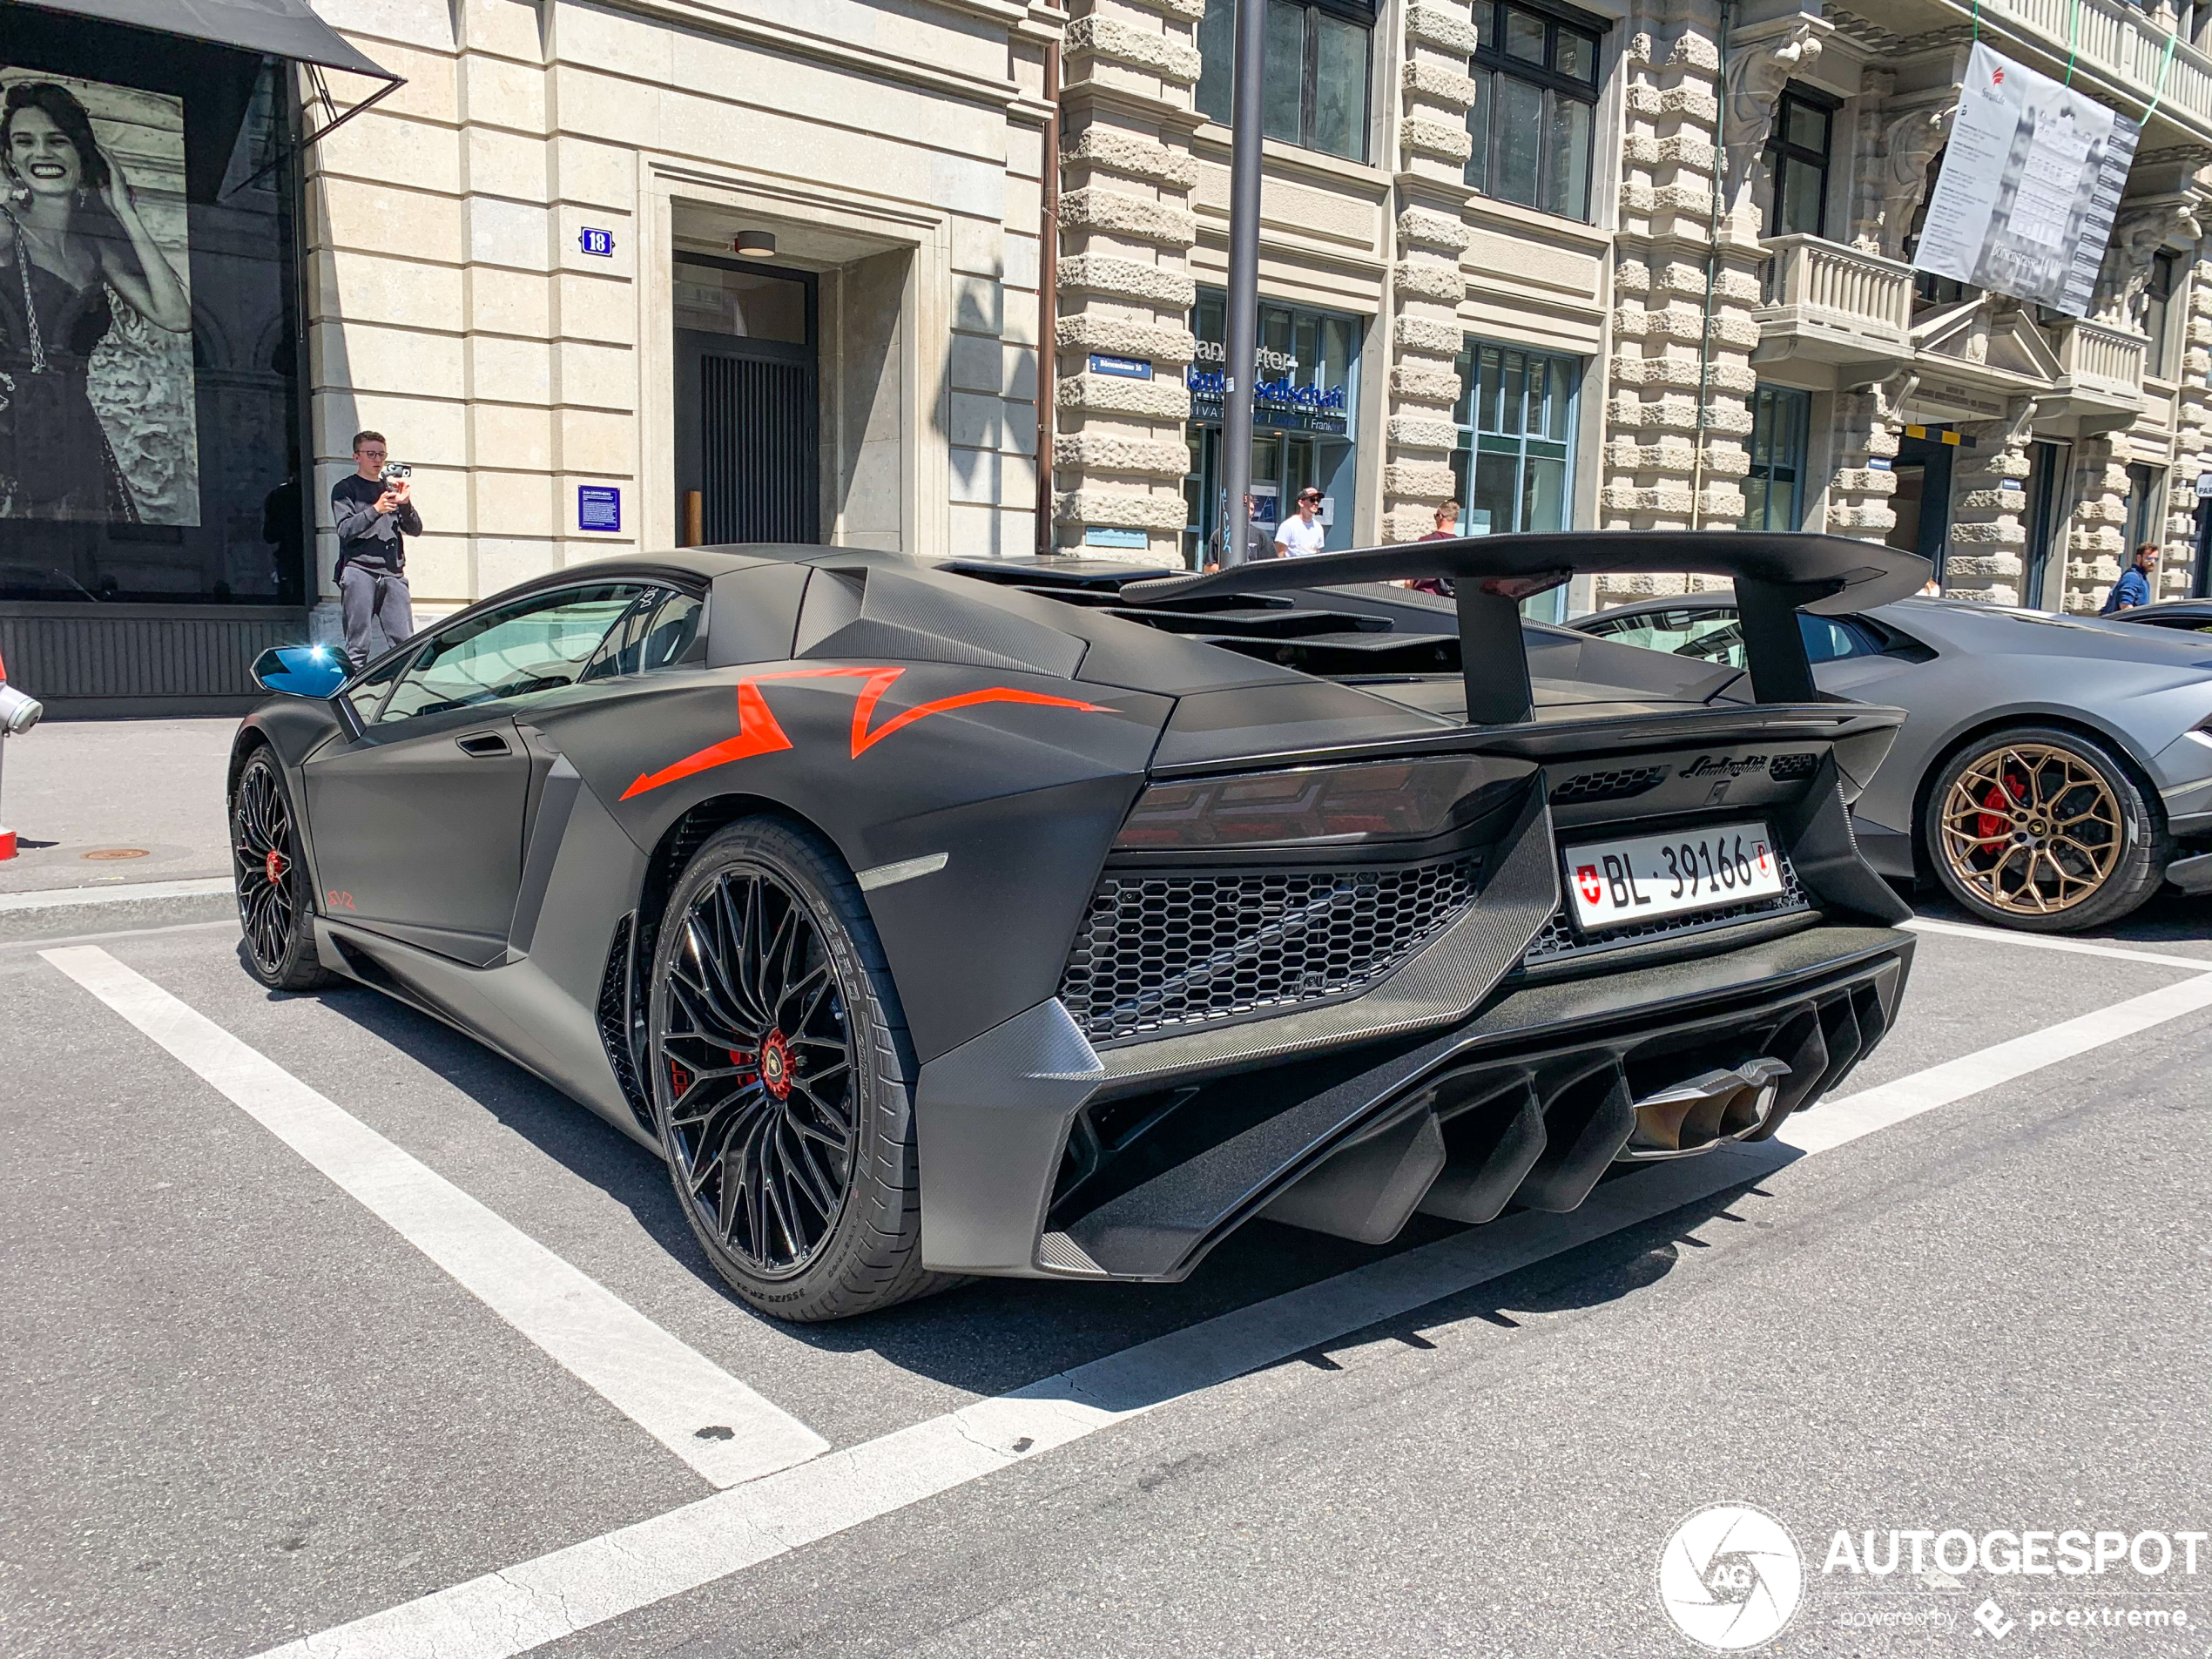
(747, 403)
(1923, 499)
(2047, 512)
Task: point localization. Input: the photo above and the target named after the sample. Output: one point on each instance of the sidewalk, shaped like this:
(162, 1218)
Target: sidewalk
(121, 824)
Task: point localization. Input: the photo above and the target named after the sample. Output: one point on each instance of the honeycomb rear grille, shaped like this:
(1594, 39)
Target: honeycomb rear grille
(1168, 952)
(1557, 938)
(1617, 784)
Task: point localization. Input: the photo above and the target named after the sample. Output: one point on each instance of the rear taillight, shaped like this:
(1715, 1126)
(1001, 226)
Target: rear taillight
(1392, 801)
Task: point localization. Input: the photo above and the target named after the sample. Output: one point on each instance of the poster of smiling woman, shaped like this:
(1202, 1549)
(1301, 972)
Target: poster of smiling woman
(96, 398)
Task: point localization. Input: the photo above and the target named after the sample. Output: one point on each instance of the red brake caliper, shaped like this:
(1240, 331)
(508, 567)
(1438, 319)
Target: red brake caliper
(273, 867)
(1993, 821)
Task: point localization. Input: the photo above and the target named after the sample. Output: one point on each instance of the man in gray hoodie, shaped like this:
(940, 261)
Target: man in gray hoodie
(373, 518)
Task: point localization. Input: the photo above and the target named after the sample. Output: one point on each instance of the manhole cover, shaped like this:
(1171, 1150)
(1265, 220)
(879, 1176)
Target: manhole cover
(103, 854)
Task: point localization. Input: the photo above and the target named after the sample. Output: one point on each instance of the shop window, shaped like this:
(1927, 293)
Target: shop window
(151, 445)
(1797, 159)
(2161, 312)
(1774, 488)
(1535, 107)
(1515, 465)
(1313, 71)
(1303, 420)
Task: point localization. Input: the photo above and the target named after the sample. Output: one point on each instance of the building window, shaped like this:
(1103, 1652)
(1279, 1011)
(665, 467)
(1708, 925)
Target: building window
(2146, 507)
(1797, 159)
(1535, 104)
(1515, 466)
(2161, 313)
(1314, 71)
(1774, 488)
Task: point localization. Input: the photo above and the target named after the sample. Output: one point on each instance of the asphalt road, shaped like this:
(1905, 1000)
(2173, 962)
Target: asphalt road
(245, 1411)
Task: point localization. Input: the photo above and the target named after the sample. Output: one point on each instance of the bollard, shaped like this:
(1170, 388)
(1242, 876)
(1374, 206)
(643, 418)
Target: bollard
(18, 713)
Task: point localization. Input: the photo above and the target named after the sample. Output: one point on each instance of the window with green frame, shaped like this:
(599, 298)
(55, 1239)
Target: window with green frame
(1515, 466)
(1774, 497)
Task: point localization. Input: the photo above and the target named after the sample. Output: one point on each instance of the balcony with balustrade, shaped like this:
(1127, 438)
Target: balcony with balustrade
(2129, 56)
(2100, 379)
(1832, 315)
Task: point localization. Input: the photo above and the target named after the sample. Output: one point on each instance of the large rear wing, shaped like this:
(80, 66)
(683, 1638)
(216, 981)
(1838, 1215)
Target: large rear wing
(1775, 576)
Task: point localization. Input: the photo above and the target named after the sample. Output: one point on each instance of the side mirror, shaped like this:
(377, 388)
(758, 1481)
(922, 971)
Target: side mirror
(301, 670)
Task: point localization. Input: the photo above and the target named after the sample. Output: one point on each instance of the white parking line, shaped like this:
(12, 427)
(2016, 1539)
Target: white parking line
(524, 1606)
(665, 1386)
(2045, 941)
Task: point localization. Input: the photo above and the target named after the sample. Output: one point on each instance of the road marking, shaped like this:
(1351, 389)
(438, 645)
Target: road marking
(666, 1388)
(1837, 1121)
(556, 1594)
(2044, 942)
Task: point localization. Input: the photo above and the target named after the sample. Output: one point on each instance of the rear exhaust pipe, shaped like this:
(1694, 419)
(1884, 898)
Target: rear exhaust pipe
(1702, 1111)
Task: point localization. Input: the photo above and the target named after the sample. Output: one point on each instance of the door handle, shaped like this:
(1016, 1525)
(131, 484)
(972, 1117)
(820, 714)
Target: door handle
(482, 745)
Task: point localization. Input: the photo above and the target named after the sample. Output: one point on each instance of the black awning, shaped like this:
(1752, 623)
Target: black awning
(279, 28)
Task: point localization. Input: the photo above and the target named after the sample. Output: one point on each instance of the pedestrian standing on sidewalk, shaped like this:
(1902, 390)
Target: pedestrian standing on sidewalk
(1301, 532)
(2134, 587)
(1448, 530)
(373, 516)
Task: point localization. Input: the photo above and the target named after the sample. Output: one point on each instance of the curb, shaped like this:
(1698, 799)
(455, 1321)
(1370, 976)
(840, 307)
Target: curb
(58, 913)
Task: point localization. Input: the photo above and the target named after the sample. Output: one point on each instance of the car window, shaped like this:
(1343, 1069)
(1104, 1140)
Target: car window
(2185, 625)
(536, 644)
(367, 692)
(1829, 639)
(662, 631)
(1722, 645)
(674, 638)
(1667, 631)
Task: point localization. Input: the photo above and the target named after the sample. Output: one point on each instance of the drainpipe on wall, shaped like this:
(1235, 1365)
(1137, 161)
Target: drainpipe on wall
(1048, 299)
(1712, 270)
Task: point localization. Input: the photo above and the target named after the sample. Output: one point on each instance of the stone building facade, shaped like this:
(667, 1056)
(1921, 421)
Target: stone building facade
(542, 268)
(1721, 308)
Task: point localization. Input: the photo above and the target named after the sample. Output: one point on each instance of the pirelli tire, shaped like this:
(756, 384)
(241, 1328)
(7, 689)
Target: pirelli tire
(783, 1081)
(2043, 829)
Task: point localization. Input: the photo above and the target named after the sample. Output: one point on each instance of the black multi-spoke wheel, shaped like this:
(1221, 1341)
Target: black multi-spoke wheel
(273, 908)
(2043, 830)
(780, 1078)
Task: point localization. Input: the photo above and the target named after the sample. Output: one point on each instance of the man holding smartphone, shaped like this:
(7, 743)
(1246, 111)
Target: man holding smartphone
(373, 516)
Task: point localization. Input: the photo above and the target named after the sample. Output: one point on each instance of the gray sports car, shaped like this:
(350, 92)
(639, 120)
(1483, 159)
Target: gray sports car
(2051, 771)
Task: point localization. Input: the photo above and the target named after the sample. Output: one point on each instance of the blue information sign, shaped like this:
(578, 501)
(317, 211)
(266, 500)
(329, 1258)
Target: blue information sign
(598, 506)
(1129, 368)
(1100, 536)
(593, 240)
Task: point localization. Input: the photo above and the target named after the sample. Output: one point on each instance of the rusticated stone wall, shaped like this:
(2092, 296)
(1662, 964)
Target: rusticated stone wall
(1126, 228)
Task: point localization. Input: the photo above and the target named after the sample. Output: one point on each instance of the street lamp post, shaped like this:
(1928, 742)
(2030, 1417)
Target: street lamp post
(1241, 351)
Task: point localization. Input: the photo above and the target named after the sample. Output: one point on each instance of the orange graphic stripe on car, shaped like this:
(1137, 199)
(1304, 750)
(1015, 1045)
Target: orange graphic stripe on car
(759, 733)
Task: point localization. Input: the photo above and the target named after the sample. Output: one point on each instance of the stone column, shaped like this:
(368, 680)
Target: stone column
(1425, 288)
(1988, 535)
(2097, 533)
(1119, 450)
(1680, 340)
(1859, 491)
(2193, 427)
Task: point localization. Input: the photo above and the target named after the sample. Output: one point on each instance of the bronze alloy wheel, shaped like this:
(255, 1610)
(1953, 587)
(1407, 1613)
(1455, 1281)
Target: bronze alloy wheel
(2031, 829)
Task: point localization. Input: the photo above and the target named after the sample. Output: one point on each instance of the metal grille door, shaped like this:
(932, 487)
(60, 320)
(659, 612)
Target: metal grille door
(758, 430)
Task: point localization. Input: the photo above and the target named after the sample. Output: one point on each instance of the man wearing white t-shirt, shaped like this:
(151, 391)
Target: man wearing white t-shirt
(1302, 532)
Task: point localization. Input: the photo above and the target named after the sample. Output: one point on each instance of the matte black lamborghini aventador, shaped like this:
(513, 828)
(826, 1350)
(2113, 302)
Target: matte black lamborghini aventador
(1056, 918)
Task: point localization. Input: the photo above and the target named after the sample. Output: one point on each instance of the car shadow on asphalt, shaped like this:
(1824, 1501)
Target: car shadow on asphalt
(986, 1336)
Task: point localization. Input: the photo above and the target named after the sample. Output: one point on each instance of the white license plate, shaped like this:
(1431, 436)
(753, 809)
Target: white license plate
(1613, 883)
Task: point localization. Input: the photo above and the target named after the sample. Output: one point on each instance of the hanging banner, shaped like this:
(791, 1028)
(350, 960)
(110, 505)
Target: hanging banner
(2025, 201)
